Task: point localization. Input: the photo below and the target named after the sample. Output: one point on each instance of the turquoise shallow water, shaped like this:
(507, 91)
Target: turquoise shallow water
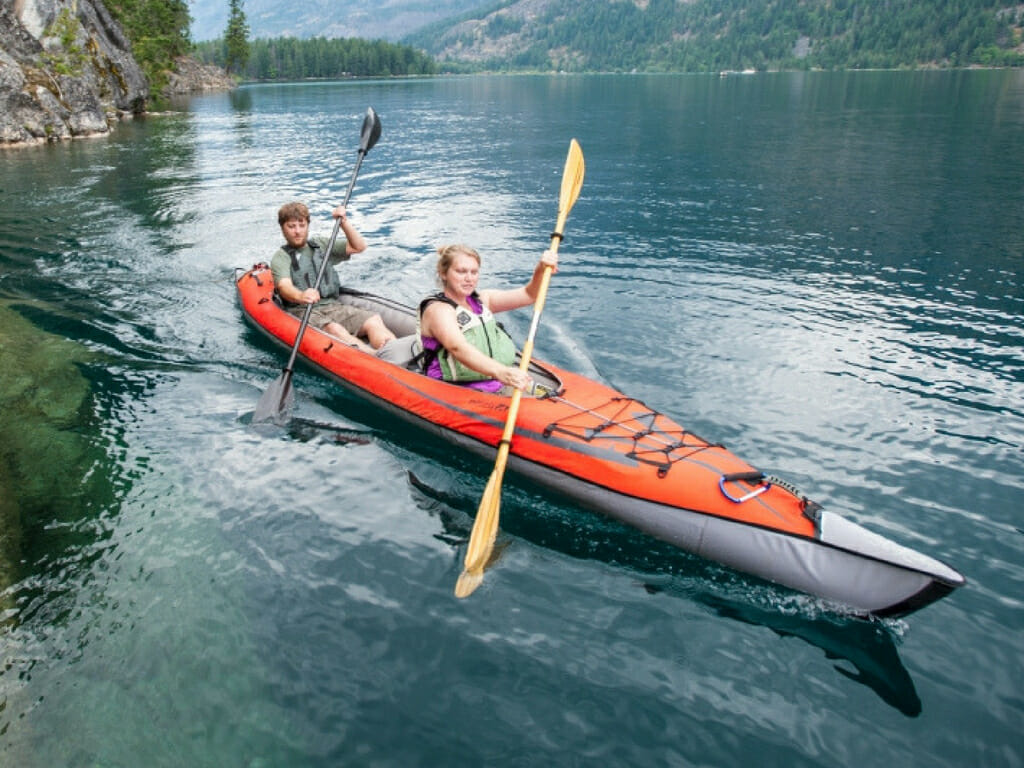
(822, 271)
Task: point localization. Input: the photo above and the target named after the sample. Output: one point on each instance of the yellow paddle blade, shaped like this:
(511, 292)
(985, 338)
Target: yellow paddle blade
(485, 527)
(572, 182)
(481, 540)
(468, 582)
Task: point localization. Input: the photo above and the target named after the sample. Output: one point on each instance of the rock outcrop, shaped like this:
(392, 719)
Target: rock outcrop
(191, 76)
(66, 70)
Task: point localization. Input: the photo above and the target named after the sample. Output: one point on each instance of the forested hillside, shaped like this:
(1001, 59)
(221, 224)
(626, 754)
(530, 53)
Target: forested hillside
(288, 58)
(713, 35)
(620, 35)
(158, 30)
(369, 19)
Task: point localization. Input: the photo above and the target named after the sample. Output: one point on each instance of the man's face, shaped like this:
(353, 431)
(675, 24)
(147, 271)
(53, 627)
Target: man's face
(295, 232)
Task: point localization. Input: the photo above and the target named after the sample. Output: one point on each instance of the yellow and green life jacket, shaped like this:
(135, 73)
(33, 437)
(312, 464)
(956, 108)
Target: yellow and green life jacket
(480, 329)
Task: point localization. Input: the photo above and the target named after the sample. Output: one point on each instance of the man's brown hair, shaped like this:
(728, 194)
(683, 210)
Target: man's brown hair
(292, 211)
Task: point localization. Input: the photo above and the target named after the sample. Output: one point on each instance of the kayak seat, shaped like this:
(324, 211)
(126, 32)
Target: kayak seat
(403, 351)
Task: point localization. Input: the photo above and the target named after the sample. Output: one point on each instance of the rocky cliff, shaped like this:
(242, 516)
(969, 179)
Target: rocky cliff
(191, 76)
(66, 70)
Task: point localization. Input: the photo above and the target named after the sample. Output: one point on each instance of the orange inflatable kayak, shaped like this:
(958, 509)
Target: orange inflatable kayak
(615, 455)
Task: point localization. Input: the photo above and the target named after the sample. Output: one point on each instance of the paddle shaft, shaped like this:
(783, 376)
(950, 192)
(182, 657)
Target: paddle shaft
(320, 275)
(527, 352)
(485, 527)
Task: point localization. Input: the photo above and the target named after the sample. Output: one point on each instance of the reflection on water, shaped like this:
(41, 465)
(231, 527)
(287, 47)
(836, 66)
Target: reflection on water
(820, 270)
(306, 430)
(241, 99)
(868, 645)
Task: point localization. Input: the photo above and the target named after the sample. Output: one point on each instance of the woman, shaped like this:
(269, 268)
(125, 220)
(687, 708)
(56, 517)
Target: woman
(461, 340)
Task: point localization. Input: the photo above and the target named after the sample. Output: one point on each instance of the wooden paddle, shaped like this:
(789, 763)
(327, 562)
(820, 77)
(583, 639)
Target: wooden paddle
(277, 402)
(485, 527)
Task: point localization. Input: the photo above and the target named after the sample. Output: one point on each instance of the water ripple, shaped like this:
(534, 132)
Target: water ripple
(817, 276)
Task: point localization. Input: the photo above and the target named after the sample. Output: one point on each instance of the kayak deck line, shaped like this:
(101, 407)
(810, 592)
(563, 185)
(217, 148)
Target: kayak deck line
(648, 417)
(613, 454)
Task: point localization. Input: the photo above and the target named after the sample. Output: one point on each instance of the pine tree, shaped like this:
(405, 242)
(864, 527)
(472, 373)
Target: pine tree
(236, 38)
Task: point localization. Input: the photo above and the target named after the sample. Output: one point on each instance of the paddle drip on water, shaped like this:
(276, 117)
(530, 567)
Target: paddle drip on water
(485, 527)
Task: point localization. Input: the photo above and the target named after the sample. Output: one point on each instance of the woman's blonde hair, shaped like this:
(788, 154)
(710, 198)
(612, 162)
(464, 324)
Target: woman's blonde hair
(447, 254)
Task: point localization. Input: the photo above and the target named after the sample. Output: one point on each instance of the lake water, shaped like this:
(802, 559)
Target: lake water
(822, 271)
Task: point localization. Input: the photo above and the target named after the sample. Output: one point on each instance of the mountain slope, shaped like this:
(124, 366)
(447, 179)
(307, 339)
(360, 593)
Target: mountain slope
(369, 19)
(703, 35)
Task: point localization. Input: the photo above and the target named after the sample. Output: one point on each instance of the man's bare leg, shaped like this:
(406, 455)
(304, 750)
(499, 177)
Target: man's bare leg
(378, 333)
(336, 330)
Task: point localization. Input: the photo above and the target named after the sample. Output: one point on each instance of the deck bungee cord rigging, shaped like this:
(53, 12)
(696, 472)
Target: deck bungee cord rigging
(659, 436)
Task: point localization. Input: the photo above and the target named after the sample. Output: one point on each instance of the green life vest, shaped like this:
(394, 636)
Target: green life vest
(482, 331)
(305, 263)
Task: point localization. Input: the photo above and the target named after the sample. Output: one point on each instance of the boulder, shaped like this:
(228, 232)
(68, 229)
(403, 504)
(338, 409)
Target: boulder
(66, 70)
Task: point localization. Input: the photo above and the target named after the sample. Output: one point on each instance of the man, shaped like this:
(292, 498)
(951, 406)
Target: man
(295, 266)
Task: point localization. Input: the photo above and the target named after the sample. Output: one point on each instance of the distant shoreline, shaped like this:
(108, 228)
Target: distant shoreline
(722, 73)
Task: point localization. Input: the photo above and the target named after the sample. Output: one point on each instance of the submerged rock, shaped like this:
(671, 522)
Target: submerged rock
(43, 453)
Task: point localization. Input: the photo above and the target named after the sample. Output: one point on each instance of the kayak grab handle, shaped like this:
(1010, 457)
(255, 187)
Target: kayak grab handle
(750, 477)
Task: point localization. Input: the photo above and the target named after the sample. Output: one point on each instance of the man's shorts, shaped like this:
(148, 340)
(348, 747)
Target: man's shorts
(327, 311)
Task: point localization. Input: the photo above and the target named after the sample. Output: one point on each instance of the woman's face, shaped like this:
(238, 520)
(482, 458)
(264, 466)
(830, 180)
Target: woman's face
(462, 275)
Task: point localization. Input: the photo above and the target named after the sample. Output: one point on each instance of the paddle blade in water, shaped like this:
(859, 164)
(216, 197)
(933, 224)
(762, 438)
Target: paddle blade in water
(468, 582)
(485, 527)
(481, 539)
(277, 402)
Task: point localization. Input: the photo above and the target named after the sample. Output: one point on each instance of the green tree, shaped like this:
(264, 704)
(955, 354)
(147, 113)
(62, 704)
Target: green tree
(287, 58)
(159, 33)
(236, 38)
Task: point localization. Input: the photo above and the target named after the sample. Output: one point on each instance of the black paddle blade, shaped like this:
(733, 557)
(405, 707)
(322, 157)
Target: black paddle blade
(277, 402)
(370, 132)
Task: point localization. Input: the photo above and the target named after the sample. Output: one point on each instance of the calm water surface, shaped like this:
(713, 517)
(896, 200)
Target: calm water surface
(822, 271)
